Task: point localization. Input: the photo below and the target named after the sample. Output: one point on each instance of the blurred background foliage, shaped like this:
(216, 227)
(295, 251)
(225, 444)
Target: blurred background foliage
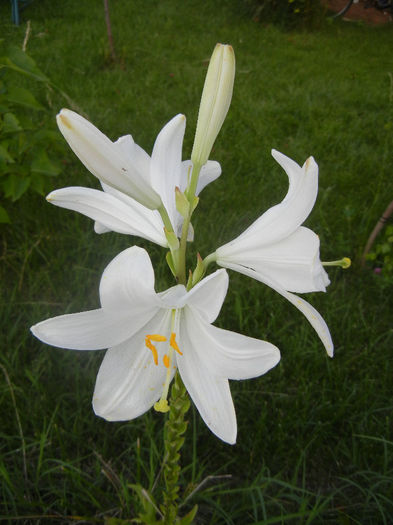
(287, 13)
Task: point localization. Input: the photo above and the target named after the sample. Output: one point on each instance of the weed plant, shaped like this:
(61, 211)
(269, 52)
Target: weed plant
(315, 440)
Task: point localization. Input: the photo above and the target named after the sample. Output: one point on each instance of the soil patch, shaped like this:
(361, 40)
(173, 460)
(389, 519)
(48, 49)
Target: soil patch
(370, 15)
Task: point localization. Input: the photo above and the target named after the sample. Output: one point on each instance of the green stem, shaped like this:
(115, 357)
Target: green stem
(174, 429)
(190, 193)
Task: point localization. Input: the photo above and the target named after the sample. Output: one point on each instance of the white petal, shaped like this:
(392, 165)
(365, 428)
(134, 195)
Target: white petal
(209, 172)
(101, 228)
(208, 295)
(165, 171)
(128, 382)
(103, 159)
(135, 155)
(314, 317)
(228, 354)
(309, 311)
(210, 393)
(130, 218)
(282, 220)
(127, 284)
(91, 330)
(293, 262)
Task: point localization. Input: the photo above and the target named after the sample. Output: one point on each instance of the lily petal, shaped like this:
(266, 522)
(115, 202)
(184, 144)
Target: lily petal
(112, 213)
(128, 382)
(103, 159)
(127, 284)
(208, 295)
(209, 173)
(293, 262)
(165, 170)
(91, 330)
(282, 220)
(311, 314)
(210, 393)
(135, 155)
(228, 354)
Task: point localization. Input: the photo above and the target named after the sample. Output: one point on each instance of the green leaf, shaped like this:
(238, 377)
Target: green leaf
(10, 124)
(15, 186)
(4, 218)
(23, 97)
(42, 164)
(148, 515)
(188, 519)
(38, 183)
(169, 260)
(4, 155)
(20, 61)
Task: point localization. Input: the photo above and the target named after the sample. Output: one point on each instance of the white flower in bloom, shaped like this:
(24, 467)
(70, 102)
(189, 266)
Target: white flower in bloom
(150, 335)
(116, 208)
(281, 253)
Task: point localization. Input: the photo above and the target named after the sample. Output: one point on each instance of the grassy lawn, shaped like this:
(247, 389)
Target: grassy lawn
(315, 434)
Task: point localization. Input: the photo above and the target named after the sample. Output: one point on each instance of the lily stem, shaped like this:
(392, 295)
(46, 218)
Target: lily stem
(190, 193)
(174, 429)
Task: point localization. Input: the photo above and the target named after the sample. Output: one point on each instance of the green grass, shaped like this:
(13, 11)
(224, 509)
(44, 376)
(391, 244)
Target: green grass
(315, 435)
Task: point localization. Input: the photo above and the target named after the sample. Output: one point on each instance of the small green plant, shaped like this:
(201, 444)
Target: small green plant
(25, 134)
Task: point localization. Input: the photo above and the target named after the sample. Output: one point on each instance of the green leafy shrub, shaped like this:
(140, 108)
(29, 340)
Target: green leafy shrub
(26, 137)
(289, 13)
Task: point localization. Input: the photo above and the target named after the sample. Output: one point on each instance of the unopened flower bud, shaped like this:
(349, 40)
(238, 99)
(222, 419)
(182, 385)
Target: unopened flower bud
(215, 101)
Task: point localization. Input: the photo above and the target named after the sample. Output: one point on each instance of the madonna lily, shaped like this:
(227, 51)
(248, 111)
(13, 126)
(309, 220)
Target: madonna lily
(117, 207)
(281, 253)
(150, 335)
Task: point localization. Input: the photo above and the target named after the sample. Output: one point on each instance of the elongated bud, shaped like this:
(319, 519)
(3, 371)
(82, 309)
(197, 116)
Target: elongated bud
(215, 102)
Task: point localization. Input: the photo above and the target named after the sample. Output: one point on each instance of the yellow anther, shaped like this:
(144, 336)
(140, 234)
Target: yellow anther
(166, 360)
(161, 406)
(150, 346)
(156, 337)
(173, 344)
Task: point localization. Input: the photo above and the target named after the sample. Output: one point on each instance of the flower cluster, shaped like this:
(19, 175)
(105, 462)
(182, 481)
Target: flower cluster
(151, 336)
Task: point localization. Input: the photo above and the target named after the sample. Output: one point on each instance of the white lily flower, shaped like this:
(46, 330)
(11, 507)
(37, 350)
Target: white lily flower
(114, 209)
(150, 335)
(281, 253)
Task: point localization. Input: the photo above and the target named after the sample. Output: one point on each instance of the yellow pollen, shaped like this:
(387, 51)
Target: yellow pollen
(173, 344)
(150, 346)
(166, 360)
(156, 337)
